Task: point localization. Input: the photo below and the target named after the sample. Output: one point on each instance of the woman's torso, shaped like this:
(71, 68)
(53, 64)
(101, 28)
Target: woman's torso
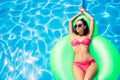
(81, 48)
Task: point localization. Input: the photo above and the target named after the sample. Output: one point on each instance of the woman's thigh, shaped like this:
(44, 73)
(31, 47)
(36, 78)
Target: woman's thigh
(91, 71)
(78, 73)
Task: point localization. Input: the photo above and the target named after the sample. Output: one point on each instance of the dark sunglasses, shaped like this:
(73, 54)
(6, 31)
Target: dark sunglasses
(79, 25)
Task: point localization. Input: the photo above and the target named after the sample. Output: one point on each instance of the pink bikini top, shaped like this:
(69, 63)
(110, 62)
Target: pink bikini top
(76, 42)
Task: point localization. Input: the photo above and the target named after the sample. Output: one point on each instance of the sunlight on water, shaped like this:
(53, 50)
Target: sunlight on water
(30, 28)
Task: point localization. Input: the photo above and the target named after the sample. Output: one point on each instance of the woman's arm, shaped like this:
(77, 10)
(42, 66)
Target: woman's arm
(71, 21)
(91, 21)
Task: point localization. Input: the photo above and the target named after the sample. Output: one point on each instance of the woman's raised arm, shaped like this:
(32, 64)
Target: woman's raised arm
(91, 21)
(70, 23)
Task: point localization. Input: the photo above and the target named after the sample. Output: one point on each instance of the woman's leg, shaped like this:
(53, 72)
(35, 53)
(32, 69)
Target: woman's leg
(91, 71)
(78, 73)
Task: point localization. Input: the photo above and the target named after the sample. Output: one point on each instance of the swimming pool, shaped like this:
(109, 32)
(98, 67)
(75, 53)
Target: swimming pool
(30, 28)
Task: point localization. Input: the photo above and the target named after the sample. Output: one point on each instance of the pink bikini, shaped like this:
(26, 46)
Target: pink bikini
(82, 65)
(76, 42)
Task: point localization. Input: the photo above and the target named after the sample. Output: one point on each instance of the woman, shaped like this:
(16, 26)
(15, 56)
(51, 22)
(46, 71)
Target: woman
(84, 66)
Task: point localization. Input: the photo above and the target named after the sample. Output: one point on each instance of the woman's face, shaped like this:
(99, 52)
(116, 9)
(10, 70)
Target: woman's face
(80, 27)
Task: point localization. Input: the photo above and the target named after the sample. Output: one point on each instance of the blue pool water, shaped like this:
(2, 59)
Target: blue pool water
(30, 28)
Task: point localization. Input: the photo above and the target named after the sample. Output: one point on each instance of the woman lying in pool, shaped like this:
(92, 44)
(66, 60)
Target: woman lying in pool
(84, 66)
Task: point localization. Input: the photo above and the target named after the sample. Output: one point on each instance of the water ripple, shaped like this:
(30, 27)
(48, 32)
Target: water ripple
(30, 28)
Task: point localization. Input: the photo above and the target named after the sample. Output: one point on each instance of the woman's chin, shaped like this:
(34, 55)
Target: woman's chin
(78, 31)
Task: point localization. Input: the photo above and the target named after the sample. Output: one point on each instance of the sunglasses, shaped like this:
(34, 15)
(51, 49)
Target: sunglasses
(79, 25)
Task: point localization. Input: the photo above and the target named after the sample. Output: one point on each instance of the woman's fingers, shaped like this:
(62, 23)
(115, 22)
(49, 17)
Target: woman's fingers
(82, 9)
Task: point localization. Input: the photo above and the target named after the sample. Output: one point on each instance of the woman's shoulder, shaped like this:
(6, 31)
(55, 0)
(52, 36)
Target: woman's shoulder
(73, 35)
(89, 36)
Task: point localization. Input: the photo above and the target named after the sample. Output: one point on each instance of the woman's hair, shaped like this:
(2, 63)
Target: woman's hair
(86, 31)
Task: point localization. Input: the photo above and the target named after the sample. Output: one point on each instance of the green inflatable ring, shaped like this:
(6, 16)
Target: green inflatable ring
(102, 50)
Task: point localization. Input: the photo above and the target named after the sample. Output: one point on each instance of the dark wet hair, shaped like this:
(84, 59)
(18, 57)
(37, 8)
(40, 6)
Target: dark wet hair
(86, 31)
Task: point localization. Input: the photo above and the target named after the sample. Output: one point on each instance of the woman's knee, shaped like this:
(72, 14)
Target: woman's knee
(79, 78)
(87, 78)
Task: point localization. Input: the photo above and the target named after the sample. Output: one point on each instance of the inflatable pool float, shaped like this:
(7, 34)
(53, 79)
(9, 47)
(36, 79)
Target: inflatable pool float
(103, 51)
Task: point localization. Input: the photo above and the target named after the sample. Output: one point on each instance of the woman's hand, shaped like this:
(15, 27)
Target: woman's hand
(82, 9)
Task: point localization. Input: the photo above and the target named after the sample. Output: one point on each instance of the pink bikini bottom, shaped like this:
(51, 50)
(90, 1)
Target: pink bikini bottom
(84, 65)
